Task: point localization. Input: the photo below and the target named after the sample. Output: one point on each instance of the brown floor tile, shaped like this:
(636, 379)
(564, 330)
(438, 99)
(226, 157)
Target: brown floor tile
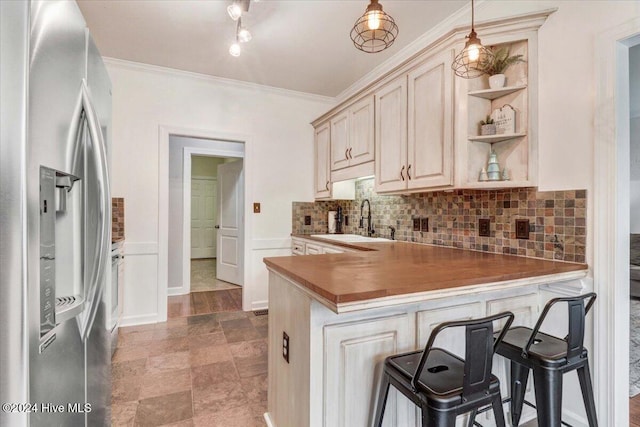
(250, 366)
(165, 383)
(123, 414)
(169, 333)
(128, 369)
(125, 390)
(166, 409)
(255, 388)
(243, 334)
(174, 345)
(206, 340)
(218, 397)
(183, 372)
(168, 362)
(130, 353)
(204, 376)
(208, 355)
(253, 348)
(134, 338)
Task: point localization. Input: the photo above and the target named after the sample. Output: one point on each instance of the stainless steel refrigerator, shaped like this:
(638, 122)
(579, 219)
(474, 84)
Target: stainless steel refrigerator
(55, 218)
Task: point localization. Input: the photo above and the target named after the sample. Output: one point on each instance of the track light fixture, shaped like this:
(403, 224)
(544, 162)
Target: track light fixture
(235, 10)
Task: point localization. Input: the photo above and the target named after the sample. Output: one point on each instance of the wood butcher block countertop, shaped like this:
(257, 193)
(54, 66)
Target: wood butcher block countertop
(389, 269)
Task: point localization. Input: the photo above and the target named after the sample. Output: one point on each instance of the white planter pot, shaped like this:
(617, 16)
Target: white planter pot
(497, 81)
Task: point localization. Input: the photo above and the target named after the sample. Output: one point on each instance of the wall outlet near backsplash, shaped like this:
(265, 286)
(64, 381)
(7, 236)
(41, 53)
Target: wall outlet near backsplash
(484, 227)
(424, 224)
(454, 215)
(522, 229)
(307, 220)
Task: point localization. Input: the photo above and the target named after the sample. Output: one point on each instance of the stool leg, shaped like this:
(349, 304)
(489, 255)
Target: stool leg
(519, 377)
(472, 417)
(548, 385)
(382, 399)
(587, 394)
(433, 418)
(497, 410)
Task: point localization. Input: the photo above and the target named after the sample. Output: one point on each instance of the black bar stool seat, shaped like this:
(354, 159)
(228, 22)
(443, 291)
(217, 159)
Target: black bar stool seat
(442, 384)
(549, 358)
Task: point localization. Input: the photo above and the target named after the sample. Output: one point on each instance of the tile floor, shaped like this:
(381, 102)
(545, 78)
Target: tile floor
(202, 368)
(203, 276)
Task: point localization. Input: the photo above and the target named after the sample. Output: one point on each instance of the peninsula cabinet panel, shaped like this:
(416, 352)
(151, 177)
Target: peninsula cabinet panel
(340, 141)
(430, 123)
(361, 144)
(391, 136)
(322, 166)
(354, 353)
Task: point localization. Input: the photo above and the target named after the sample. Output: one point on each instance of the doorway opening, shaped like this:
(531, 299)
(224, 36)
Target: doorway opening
(206, 224)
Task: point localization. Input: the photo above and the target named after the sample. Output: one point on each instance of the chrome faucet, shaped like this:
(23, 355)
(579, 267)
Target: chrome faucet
(370, 229)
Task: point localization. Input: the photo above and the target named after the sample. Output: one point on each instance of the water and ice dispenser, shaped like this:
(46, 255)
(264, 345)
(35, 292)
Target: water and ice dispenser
(61, 250)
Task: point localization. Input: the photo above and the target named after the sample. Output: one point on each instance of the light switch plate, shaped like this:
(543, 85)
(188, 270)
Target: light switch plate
(416, 224)
(256, 208)
(522, 229)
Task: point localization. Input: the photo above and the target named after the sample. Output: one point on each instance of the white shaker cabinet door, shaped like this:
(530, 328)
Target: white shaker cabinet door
(322, 166)
(430, 123)
(391, 136)
(354, 353)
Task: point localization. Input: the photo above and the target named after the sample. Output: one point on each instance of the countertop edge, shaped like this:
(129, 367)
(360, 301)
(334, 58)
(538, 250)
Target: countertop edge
(392, 300)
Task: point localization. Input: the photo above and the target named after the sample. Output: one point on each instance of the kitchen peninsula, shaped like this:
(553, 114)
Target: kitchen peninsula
(340, 315)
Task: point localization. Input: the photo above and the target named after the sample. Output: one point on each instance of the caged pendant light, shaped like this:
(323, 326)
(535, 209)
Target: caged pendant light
(375, 30)
(469, 62)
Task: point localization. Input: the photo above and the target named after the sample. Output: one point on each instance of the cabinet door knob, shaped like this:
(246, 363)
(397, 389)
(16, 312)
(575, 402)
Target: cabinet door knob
(350, 156)
(327, 186)
(401, 174)
(409, 173)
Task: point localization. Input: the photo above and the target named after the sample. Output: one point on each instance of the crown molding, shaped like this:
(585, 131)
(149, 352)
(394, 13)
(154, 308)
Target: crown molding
(220, 81)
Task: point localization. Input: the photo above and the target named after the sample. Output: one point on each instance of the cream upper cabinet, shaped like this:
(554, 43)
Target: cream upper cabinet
(391, 136)
(361, 146)
(414, 128)
(322, 146)
(352, 135)
(340, 140)
(430, 123)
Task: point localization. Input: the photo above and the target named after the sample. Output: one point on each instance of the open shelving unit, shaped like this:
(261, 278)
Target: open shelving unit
(512, 148)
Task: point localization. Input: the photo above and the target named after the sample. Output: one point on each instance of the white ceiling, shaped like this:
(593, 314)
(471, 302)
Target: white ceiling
(301, 45)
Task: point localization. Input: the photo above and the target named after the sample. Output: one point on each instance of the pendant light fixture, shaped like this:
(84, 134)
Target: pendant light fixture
(468, 63)
(375, 30)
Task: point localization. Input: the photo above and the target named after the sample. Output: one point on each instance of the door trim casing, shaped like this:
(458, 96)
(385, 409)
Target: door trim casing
(165, 132)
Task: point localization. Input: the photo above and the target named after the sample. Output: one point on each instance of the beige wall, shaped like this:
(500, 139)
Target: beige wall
(205, 166)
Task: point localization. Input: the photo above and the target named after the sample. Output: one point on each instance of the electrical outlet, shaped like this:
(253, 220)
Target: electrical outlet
(522, 229)
(285, 346)
(307, 220)
(424, 224)
(346, 220)
(416, 224)
(484, 227)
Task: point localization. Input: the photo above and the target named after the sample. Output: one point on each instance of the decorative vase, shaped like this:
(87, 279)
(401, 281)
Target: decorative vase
(488, 129)
(497, 81)
(483, 175)
(493, 168)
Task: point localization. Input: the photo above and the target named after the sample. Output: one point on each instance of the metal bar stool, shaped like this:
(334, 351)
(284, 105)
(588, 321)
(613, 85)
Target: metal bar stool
(444, 385)
(550, 358)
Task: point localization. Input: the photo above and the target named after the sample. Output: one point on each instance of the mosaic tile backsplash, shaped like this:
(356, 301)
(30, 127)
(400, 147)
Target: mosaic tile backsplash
(117, 219)
(557, 219)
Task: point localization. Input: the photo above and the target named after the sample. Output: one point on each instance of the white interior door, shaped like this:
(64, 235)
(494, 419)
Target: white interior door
(230, 222)
(203, 218)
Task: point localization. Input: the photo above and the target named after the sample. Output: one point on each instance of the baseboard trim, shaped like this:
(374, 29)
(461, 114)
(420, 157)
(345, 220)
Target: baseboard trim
(573, 419)
(142, 319)
(174, 291)
(267, 419)
(260, 305)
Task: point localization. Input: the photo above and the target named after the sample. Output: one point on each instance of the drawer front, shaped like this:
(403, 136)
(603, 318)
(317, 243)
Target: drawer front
(312, 249)
(297, 247)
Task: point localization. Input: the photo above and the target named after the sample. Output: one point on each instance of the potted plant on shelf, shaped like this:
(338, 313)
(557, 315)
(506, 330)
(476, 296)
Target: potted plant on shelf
(495, 66)
(487, 126)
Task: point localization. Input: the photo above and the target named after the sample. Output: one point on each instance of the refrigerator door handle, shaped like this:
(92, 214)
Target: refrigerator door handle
(98, 275)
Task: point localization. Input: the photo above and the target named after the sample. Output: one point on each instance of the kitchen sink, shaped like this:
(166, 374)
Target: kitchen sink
(350, 238)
